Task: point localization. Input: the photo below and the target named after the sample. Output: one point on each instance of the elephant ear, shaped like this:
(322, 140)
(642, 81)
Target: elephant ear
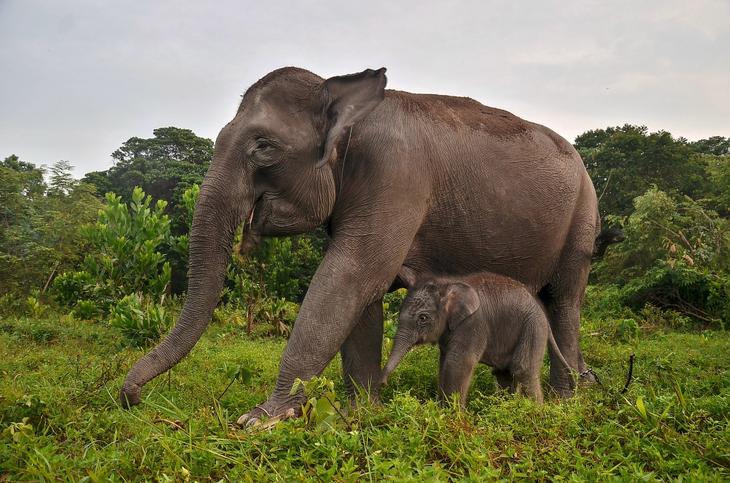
(350, 98)
(459, 301)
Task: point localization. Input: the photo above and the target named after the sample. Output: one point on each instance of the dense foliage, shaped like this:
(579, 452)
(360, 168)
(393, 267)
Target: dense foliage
(626, 161)
(670, 197)
(164, 166)
(123, 257)
(40, 224)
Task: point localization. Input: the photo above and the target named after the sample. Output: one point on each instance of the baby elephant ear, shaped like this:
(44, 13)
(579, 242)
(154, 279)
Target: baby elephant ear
(350, 98)
(460, 301)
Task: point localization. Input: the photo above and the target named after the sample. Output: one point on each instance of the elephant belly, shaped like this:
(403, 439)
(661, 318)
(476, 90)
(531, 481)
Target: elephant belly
(512, 224)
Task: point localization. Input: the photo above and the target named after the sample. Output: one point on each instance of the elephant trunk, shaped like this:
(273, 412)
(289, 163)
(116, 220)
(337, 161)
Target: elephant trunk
(219, 211)
(401, 346)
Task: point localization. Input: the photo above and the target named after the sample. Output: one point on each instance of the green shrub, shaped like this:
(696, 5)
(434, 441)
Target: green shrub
(281, 267)
(676, 256)
(70, 287)
(34, 307)
(262, 317)
(126, 255)
(604, 302)
(391, 308)
(692, 291)
(10, 303)
(127, 240)
(86, 309)
(140, 322)
(653, 317)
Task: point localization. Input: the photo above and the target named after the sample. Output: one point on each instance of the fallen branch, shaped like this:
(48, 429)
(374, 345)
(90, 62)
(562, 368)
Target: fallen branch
(630, 374)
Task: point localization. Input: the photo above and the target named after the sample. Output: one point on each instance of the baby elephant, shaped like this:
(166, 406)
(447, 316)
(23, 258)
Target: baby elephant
(483, 317)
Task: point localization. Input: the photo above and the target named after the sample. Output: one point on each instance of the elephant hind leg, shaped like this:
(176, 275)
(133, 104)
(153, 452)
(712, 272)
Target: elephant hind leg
(563, 298)
(362, 352)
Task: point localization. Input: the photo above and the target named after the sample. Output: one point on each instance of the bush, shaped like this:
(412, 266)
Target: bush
(676, 256)
(10, 304)
(262, 317)
(34, 307)
(125, 256)
(697, 293)
(391, 308)
(140, 322)
(627, 329)
(86, 309)
(70, 287)
(605, 303)
(281, 267)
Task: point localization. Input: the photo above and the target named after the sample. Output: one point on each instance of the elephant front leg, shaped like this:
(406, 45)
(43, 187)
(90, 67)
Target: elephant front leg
(362, 352)
(342, 290)
(455, 375)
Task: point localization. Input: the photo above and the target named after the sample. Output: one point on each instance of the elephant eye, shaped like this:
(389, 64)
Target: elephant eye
(262, 152)
(422, 317)
(263, 145)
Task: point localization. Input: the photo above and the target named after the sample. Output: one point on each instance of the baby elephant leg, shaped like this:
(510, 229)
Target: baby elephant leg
(528, 358)
(455, 375)
(528, 384)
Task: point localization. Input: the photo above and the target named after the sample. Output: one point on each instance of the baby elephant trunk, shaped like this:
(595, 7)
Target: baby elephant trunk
(401, 346)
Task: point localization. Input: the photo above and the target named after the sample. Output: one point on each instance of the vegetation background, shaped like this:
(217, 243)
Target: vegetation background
(92, 272)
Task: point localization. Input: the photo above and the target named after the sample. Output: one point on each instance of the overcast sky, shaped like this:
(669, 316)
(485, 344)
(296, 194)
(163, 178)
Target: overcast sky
(78, 78)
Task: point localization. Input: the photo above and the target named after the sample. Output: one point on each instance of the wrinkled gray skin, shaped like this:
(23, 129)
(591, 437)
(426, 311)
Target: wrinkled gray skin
(436, 183)
(484, 318)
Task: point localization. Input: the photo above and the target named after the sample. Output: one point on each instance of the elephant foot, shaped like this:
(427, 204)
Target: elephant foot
(130, 395)
(272, 412)
(588, 378)
(565, 389)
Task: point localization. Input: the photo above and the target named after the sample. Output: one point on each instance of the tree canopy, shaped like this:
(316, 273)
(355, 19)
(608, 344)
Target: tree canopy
(164, 166)
(625, 161)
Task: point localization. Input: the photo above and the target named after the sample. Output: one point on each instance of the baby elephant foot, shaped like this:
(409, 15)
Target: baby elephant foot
(272, 411)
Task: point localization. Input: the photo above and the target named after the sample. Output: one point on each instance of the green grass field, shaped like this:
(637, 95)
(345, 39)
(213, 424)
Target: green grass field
(60, 420)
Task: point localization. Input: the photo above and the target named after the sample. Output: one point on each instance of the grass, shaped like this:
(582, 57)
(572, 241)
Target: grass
(60, 420)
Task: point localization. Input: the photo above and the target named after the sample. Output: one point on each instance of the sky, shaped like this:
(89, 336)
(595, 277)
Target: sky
(80, 77)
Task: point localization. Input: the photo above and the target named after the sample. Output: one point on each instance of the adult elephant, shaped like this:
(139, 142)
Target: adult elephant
(434, 183)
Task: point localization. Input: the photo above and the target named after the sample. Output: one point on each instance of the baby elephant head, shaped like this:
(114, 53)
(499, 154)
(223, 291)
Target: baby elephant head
(427, 312)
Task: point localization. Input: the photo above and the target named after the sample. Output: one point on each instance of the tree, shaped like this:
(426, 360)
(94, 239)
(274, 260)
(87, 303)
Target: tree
(164, 166)
(715, 145)
(40, 223)
(624, 162)
(718, 168)
(61, 181)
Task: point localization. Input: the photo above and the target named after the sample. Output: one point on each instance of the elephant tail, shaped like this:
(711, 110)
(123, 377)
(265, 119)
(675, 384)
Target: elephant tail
(557, 353)
(607, 237)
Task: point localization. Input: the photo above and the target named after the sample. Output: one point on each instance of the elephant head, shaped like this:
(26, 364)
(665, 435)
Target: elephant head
(427, 312)
(272, 167)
